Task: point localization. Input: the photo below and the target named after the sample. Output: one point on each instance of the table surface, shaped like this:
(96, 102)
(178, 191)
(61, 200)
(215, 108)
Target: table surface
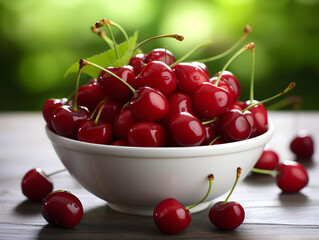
(270, 214)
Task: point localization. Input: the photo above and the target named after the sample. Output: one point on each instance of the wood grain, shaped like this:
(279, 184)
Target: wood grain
(269, 213)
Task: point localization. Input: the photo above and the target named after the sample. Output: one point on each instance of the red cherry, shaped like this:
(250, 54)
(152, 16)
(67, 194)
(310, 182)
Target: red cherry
(147, 134)
(234, 126)
(189, 77)
(149, 105)
(227, 216)
(268, 160)
(100, 132)
(157, 75)
(170, 216)
(186, 129)
(302, 145)
(90, 95)
(261, 116)
(223, 84)
(113, 87)
(202, 66)
(138, 63)
(36, 185)
(292, 176)
(110, 109)
(62, 209)
(48, 108)
(211, 101)
(162, 55)
(211, 132)
(232, 81)
(251, 119)
(119, 143)
(123, 123)
(66, 120)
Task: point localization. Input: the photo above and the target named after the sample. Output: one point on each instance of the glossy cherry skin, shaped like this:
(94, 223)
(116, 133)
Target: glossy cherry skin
(138, 63)
(226, 216)
(49, 106)
(110, 109)
(119, 143)
(123, 123)
(292, 176)
(147, 134)
(149, 105)
(157, 75)
(170, 216)
(268, 160)
(223, 84)
(113, 87)
(92, 132)
(251, 119)
(234, 126)
(232, 81)
(189, 77)
(302, 145)
(178, 102)
(62, 209)
(261, 116)
(210, 101)
(162, 55)
(202, 66)
(90, 95)
(36, 185)
(211, 132)
(66, 120)
(186, 129)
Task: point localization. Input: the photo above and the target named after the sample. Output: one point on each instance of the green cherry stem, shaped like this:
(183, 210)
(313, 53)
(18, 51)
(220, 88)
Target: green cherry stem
(191, 52)
(123, 32)
(238, 173)
(96, 121)
(252, 80)
(109, 72)
(75, 102)
(290, 86)
(247, 30)
(56, 172)
(114, 42)
(295, 101)
(176, 36)
(211, 180)
(102, 35)
(215, 139)
(243, 49)
(263, 171)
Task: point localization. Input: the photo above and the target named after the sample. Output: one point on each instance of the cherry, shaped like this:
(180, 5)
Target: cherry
(122, 124)
(157, 75)
(268, 160)
(302, 145)
(233, 82)
(119, 143)
(223, 84)
(110, 109)
(260, 115)
(112, 87)
(211, 132)
(170, 216)
(100, 132)
(292, 176)
(149, 105)
(211, 101)
(89, 95)
(162, 55)
(186, 129)
(189, 77)
(251, 119)
(226, 215)
(48, 108)
(66, 119)
(147, 134)
(36, 184)
(138, 63)
(62, 209)
(202, 66)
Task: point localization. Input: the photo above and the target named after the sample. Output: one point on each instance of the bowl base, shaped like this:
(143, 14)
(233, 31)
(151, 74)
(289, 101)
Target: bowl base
(148, 211)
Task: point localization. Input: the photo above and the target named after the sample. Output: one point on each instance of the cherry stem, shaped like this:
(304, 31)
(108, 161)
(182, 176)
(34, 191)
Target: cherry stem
(114, 42)
(176, 36)
(211, 180)
(246, 47)
(96, 121)
(56, 172)
(252, 75)
(294, 100)
(290, 86)
(215, 139)
(123, 32)
(191, 52)
(109, 72)
(102, 35)
(264, 171)
(238, 172)
(247, 30)
(210, 121)
(75, 102)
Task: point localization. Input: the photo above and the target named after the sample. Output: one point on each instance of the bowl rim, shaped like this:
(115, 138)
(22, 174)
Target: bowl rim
(160, 152)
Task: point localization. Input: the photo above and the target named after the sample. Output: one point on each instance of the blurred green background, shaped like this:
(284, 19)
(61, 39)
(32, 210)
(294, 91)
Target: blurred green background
(39, 40)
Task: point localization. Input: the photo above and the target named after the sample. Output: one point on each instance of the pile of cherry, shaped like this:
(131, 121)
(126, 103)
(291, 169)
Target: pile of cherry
(158, 101)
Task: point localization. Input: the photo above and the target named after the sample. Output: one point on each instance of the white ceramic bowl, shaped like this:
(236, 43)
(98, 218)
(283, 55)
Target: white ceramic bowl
(134, 179)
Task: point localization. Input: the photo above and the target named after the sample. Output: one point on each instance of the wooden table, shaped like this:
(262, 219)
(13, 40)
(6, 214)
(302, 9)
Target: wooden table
(269, 213)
